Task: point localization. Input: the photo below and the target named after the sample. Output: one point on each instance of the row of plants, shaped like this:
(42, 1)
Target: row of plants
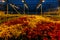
(30, 28)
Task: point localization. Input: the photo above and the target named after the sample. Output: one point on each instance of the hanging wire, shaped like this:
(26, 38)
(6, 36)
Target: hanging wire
(40, 5)
(7, 6)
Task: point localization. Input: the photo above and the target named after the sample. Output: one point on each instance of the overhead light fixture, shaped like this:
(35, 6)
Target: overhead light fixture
(25, 4)
(3, 1)
(23, 1)
(58, 7)
(43, 1)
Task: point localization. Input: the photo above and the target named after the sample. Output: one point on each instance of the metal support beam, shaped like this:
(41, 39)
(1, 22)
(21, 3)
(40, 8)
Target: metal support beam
(14, 8)
(25, 5)
(7, 6)
(40, 5)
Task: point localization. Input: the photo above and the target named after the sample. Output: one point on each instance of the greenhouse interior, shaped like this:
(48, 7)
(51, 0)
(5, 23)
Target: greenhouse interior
(29, 19)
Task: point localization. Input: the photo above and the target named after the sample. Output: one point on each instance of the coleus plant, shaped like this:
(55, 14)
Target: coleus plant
(32, 28)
